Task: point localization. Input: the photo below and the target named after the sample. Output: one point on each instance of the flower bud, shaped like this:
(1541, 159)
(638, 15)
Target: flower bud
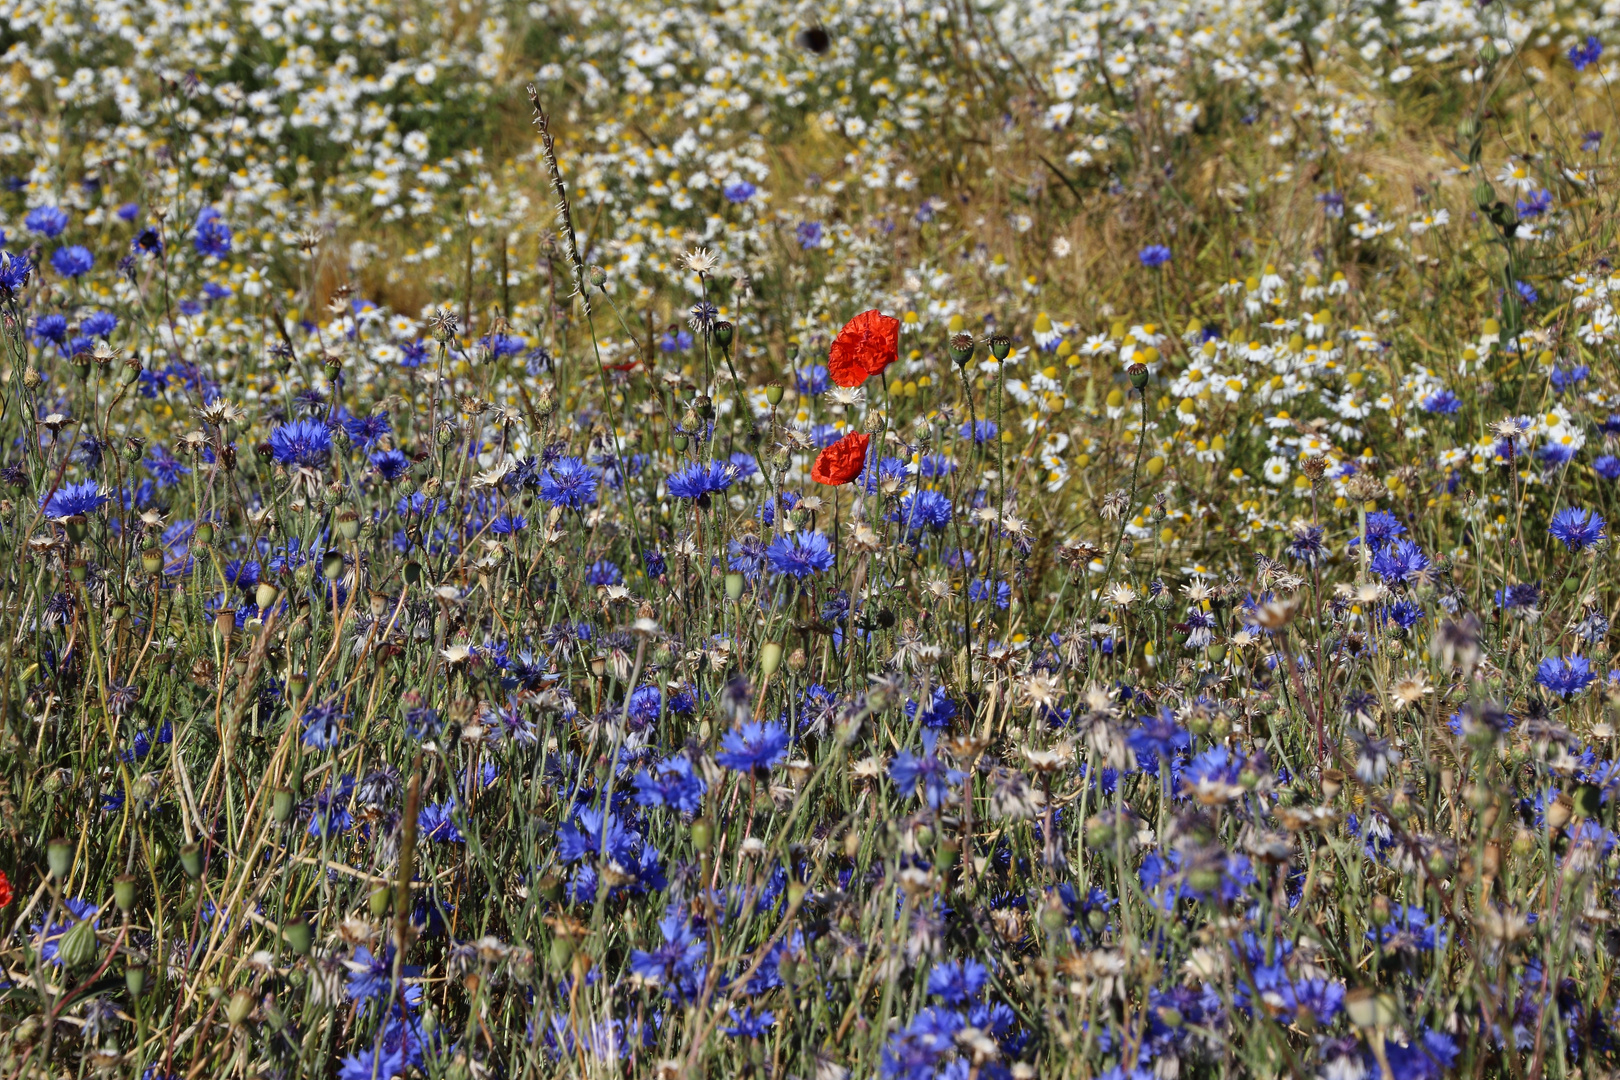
(598, 277)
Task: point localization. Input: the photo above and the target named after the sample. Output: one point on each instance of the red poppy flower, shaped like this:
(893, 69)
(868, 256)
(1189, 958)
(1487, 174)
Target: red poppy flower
(5, 889)
(842, 461)
(866, 345)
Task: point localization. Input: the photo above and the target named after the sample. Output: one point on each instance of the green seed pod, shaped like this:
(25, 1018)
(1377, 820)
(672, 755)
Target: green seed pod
(702, 834)
(734, 586)
(1000, 346)
(191, 860)
(773, 395)
(962, 350)
(347, 523)
(298, 935)
(723, 332)
(241, 1004)
(1138, 374)
(281, 805)
(770, 657)
(204, 532)
(152, 560)
(59, 857)
(265, 596)
(124, 893)
(135, 979)
(332, 565)
(78, 947)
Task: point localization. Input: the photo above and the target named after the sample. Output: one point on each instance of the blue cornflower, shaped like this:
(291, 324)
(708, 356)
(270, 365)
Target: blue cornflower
(14, 273)
(740, 192)
(435, 822)
(1564, 379)
(1538, 203)
(371, 975)
(754, 746)
(654, 561)
(809, 234)
(671, 782)
(1577, 527)
(391, 464)
(98, 324)
(927, 509)
(368, 430)
(50, 328)
(1607, 466)
(1399, 561)
(583, 838)
(1332, 204)
(413, 354)
(698, 481)
(982, 432)
(800, 554)
(677, 964)
(1525, 594)
(1442, 401)
(1582, 56)
(72, 499)
(1565, 677)
(746, 555)
(72, 261)
(908, 770)
(749, 1025)
(367, 1064)
(958, 981)
(212, 236)
(603, 572)
(304, 442)
(980, 589)
(47, 221)
(1159, 736)
(508, 524)
(812, 380)
(323, 726)
(1154, 256)
(1306, 545)
(1527, 292)
(569, 482)
(939, 712)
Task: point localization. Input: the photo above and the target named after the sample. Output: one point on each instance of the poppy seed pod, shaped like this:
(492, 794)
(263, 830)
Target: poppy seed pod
(962, 349)
(59, 857)
(1138, 374)
(298, 935)
(1000, 346)
(723, 332)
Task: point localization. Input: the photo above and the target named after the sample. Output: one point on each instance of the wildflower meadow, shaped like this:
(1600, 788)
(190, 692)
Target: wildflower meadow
(982, 540)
